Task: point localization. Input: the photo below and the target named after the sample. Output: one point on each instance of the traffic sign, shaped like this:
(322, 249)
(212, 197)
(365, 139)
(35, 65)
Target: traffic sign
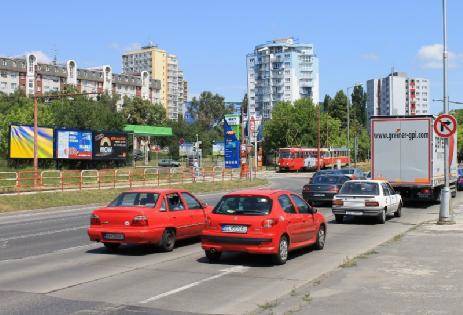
(445, 125)
(181, 141)
(252, 125)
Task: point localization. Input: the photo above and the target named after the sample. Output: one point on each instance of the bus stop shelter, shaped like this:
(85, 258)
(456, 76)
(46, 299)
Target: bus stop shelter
(144, 133)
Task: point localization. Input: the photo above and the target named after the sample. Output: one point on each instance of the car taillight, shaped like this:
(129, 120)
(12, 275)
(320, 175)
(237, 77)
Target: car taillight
(426, 191)
(338, 202)
(268, 223)
(140, 220)
(371, 203)
(306, 188)
(94, 219)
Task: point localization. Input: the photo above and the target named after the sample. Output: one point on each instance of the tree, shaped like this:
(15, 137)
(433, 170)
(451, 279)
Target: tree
(326, 103)
(338, 108)
(209, 109)
(142, 112)
(359, 103)
(244, 104)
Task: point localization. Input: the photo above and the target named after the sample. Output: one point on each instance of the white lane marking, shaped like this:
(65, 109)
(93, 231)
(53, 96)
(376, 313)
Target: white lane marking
(43, 233)
(224, 272)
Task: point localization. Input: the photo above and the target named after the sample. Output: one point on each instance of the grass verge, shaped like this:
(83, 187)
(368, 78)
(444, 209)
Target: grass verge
(56, 199)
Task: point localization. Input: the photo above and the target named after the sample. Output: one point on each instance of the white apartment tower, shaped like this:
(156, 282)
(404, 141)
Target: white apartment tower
(281, 70)
(398, 94)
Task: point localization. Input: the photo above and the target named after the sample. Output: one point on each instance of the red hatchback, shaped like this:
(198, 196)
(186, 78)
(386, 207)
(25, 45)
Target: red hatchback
(262, 222)
(148, 216)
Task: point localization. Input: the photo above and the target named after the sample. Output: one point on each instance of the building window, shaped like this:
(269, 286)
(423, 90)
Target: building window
(3, 74)
(14, 86)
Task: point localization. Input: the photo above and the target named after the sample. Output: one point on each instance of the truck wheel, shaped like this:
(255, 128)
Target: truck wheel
(382, 217)
(339, 218)
(398, 213)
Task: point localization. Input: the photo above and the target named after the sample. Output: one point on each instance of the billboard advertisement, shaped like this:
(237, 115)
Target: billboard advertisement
(22, 142)
(110, 146)
(233, 120)
(186, 149)
(232, 147)
(73, 144)
(218, 149)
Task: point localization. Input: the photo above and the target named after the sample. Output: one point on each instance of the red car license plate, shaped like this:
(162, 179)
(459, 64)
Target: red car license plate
(113, 236)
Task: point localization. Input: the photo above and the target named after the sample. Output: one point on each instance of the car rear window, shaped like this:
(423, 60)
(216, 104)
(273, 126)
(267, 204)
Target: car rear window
(359, 188)
(244, 205)
(135, 199)
(327, 180)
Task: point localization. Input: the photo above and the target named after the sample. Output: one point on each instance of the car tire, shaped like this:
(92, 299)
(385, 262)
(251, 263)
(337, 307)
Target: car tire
(382, 217)
(339, 218)
(213, 255)
(321, 237)
(282, 256)
(168, 240)
(454, 193)
(398, 213)
(112, 246)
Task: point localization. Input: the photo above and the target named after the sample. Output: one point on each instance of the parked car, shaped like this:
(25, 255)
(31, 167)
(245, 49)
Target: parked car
(460, 179)
(168, 163)
(262, 222)
(354, 173)
(367, 198)
(323, 188)
(325, 172)
(149, 216)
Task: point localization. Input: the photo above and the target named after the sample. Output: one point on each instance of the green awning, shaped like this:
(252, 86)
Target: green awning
(148, 130)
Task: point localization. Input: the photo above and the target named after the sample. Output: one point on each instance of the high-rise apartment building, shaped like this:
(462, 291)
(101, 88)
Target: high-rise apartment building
(398, 94)
(281, 70)
(32, 77)
(163, 67)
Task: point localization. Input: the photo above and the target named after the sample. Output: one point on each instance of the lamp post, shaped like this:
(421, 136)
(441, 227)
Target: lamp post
(348, 117)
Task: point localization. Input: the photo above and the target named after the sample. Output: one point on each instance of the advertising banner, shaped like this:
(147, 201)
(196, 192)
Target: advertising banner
(22, 142)
(186, 149)
(73, 144)
(232, 147)
(110, 146)
(218, 149)
(233, 120)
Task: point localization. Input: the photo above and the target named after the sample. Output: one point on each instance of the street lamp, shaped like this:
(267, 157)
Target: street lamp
(348, 117)
(451, 102)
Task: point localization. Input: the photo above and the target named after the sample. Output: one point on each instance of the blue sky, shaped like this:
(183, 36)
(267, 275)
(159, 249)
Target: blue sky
(355, 40)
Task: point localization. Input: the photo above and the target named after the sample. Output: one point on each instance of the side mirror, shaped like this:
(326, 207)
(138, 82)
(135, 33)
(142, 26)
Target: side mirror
(314, 210)
(203, 204)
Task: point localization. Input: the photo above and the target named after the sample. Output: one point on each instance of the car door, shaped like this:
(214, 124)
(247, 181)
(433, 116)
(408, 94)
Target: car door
(292, 218)
(387, 197)
(179, 217)
(308, 228)
(395, 197)
(196, 211)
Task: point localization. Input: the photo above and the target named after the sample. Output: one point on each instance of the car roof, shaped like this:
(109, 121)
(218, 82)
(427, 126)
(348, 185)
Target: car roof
(259, 192)
(156, 190)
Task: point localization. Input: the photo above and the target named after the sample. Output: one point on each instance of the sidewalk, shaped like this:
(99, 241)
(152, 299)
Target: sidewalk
(420, 272)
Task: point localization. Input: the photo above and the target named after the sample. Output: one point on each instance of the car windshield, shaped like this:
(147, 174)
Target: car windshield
(135, 199)
(285, 155)
(241, 205)
(359, 188)
(326, 180)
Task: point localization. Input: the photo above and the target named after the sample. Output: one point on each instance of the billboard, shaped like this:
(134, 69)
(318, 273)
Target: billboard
(232, 147)
(22, 142)
(73, 144)
(110, 146)
(233, 120)
(186, 149)
(218, 149)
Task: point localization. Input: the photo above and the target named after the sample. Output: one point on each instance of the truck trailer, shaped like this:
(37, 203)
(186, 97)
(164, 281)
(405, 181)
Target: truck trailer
(407, 152)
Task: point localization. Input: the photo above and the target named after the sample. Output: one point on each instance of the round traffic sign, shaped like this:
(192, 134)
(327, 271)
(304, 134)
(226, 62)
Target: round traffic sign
(181, 141)
(445, 125)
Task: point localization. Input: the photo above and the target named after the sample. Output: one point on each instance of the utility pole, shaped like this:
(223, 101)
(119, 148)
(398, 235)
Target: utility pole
(445, 217)
(318, 140)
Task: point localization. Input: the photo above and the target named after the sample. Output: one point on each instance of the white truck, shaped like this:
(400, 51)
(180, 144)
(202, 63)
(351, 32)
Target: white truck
(407, 153)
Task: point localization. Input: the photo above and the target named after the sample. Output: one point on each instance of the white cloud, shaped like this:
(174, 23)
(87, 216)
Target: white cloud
(132, 46)
(430, 57)
(370, 56)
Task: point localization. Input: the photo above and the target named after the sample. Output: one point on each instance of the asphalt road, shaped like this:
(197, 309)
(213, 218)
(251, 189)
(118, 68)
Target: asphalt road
(48, 266)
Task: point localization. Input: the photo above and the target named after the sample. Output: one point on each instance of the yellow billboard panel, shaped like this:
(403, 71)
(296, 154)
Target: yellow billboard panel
(22, 142)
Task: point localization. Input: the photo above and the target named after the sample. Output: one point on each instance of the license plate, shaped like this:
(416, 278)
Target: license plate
(234, 228)
(354, 213)
(319, 195)
(113, 236)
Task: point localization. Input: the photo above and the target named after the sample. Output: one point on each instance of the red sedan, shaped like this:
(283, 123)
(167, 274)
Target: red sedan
(262, 222)
(148, 216)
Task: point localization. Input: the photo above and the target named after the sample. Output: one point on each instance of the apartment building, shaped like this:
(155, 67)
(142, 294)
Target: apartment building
(32, 77)
(398, 94)
(281, 70)
(163, 67)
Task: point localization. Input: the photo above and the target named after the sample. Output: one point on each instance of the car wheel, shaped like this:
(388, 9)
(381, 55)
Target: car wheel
(382, 217)
(398, 213)
(454, 193)
(282, 256)
(321, 237)
(168, 240)
(213, 255)
(339, 218)
(112, 246)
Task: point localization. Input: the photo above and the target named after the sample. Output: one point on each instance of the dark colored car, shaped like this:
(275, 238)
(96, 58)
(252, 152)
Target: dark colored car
(460, 179)
(168, 163)
(325, 173)
(323, 188)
